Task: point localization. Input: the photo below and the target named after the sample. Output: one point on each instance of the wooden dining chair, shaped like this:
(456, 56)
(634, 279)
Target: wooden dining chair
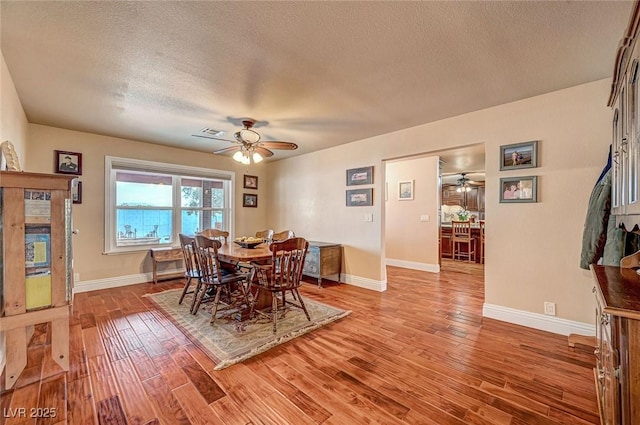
(219, 235)
(461, 237)
(481, 243)
(285, 234)
(231, 285)
(265, 234)
(282, 275)
(192, 269)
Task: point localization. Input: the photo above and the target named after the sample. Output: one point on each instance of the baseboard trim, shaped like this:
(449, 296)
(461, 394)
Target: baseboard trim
(425, 267)
(117, 281)
(363, 282)
(537, 321)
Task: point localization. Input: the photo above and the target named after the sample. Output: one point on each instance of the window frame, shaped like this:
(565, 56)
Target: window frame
(114, 164)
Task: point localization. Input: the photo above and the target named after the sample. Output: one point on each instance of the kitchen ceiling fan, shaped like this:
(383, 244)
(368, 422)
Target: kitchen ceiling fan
(463, 183)
(248, 145)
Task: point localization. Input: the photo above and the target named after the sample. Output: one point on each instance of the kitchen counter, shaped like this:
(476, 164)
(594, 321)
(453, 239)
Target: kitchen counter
(447, 225)
(446, 245)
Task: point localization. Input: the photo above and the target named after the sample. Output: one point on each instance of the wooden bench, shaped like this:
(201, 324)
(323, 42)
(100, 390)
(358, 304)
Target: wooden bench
(165, 255)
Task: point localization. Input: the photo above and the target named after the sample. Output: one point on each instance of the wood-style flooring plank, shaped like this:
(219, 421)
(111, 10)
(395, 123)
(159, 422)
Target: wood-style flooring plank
(418, 353)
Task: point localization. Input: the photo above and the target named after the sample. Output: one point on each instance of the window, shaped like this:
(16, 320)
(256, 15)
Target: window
(147, 203)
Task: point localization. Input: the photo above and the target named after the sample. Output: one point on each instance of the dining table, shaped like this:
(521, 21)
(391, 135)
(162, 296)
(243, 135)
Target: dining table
(234, 254)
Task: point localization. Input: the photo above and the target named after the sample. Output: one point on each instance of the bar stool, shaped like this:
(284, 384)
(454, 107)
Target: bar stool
(461, 236)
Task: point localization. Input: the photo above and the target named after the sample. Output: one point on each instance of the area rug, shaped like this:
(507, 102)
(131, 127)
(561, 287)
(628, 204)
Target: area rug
(230, 341)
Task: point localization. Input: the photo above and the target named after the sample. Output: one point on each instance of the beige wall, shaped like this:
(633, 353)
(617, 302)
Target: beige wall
(88, 217)
(409, 241)
(532, 250)
(13, 127)
(13, 121)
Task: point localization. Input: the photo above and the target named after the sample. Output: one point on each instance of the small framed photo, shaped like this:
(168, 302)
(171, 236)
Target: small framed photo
(249, 200)
(405, 190)
(359, 197)
(519, 189)
(76, 191)
(362, 175)
(250, 182)
(68, 162)
(519, 155)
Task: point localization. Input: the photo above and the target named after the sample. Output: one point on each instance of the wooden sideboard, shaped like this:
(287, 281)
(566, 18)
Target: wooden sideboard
(323, 259)
(165, 255)
(617, 372)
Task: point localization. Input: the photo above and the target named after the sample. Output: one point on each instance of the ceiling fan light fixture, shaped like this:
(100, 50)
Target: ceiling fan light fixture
(238, 156)
(257, 157)
(247, 135)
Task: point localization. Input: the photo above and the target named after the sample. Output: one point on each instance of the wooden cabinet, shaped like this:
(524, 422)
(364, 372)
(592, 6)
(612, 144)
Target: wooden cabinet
(323, 259)
(625, 145)
(35, 267)
(452, 197)
(165, 255)
(617, 371)
(473, 200)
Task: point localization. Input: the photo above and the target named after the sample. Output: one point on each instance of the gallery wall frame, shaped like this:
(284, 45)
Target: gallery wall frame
(360, 176)
(519, 155)
(68, 162)
(250, 182)
(250, 200)
(360, 197)
(518, 189)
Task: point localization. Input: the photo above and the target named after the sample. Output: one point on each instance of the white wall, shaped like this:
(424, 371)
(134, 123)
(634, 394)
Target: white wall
(409, 242)
(532, 250)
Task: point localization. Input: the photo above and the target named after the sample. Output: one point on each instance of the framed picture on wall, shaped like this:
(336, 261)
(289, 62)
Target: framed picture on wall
(68, 162)
(405, 190)
(76, 191)
(519, 189)
(249, 200)
(358, 176)
(519, 155)
(250, 182)
(359, 197)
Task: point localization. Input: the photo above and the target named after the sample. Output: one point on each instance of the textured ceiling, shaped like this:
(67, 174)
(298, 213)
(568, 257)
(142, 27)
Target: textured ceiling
(319, 74)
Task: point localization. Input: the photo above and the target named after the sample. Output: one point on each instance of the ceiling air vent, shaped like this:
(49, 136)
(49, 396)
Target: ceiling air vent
(212, 132)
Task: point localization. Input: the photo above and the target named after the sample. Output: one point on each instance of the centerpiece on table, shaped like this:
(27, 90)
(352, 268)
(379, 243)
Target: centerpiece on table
(463, 215)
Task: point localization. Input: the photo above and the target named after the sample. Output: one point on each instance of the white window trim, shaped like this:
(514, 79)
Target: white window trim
(138, 164)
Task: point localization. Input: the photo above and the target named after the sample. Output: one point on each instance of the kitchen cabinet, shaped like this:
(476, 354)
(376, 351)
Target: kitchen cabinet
(617, 371)
(472, 200)
(450, 196)
(35, 266)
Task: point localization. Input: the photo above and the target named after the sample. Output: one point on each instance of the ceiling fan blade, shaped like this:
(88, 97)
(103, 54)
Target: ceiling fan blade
(279, 145)
(214, 138)
(227, 150)
(263, 151)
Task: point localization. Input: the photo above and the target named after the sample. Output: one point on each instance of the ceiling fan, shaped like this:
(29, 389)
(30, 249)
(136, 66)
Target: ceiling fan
(463, 183)
(248, 145)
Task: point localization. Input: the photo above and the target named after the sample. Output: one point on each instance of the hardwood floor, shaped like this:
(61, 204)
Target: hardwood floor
(419, 353)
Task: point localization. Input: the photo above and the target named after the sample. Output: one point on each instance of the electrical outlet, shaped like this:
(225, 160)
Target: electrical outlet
(549, 308)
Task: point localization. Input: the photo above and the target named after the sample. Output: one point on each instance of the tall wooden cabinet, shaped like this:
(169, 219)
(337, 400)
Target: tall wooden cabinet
(625, 146)
(617, 371)
(35, 266)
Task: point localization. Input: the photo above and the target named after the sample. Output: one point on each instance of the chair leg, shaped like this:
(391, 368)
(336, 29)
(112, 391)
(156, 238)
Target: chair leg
(304, 307)
(274, 310)
(214, 308)
(186, 288)
(201, 294)
(255, 300)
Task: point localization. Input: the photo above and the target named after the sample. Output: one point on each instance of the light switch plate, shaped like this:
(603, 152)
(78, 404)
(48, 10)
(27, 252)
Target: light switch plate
(424, 217)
